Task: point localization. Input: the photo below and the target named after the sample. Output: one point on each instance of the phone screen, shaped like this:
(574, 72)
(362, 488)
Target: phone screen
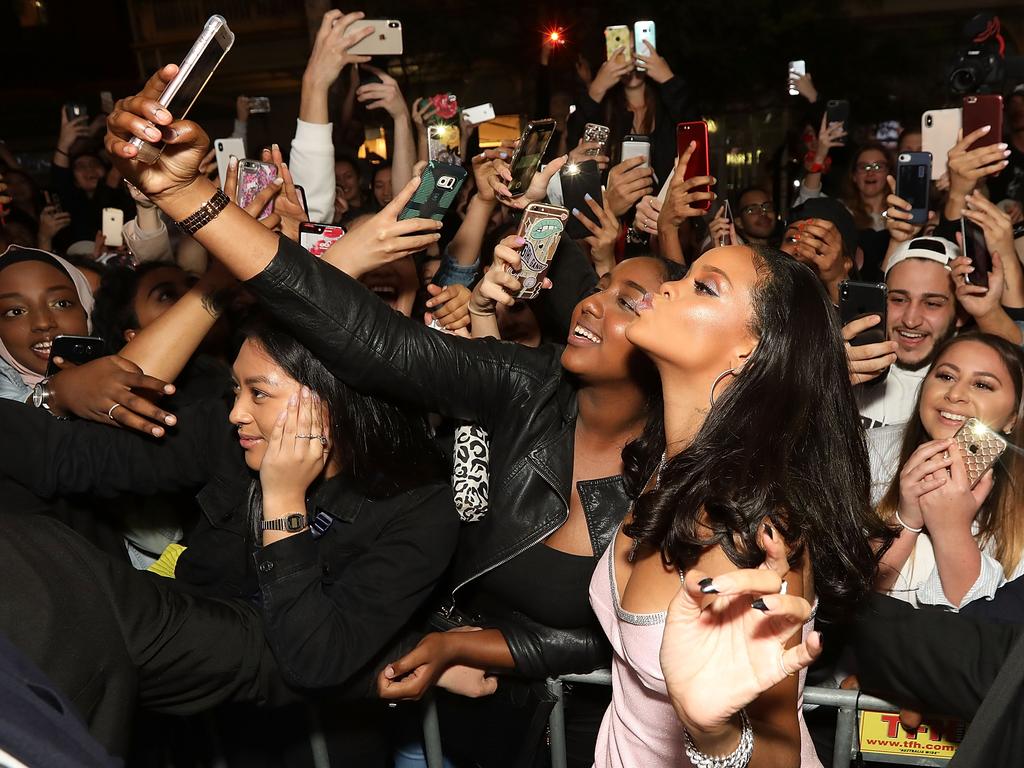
(976, 250)
(857, 300)
(912, 182)
(528, 158)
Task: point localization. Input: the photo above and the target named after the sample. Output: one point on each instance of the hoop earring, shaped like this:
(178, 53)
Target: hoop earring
(722, 375)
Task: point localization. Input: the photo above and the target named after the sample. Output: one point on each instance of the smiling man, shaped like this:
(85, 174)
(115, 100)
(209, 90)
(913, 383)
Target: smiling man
(922, 313)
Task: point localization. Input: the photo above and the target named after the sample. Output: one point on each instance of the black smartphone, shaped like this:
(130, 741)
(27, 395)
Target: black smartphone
(74, 349)
(526, 160)
(302, 198)
(579, 180)
(52, 198)
(838, 111)
(975, 249)
(75, 109)
(857, 300)
(439, 186)
(913, 181)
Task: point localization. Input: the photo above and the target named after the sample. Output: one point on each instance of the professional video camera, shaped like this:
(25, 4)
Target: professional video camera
(981, 65)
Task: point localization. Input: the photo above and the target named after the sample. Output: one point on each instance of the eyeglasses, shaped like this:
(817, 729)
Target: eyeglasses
(875, 166)
(766, 208)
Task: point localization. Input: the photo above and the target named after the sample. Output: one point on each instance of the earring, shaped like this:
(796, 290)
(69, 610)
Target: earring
(722, 375)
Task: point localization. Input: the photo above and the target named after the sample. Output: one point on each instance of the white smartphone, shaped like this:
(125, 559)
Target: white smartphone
(480, 114)
(194, 72)
(939, 128)
(797, 69)
(113, 223)
(636, 145)
(643, 32)
(225, 148)
(385, 40)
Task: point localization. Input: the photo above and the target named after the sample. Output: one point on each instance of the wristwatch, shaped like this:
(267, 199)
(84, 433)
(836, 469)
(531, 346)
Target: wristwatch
(41, 394)
(289, 524)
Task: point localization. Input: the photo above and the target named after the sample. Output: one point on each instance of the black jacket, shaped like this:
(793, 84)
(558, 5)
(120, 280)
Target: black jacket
(333, 605)
(111, 638)
(520, 396)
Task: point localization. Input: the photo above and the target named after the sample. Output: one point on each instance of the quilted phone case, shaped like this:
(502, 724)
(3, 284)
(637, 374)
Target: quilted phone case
(980, 446)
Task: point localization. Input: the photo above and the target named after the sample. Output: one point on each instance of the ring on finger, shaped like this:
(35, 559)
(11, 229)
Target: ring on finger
(110, 413)
(782, 664)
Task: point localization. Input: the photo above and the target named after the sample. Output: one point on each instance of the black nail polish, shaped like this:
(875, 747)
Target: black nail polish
(707, 586)
(759, 605)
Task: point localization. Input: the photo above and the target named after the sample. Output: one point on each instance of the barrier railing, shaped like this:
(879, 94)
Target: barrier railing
(849, 705)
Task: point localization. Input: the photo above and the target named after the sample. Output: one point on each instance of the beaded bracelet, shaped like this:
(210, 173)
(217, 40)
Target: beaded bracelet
(207, 212)
(740, 757)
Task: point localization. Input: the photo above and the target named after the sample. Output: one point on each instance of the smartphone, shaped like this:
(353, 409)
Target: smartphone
(598, 133)
(106, 102)
(726, 239)
(194, 72)
(75, 109)
(318, 238)
(980, 446)
(699, 164)
(579, 180)
(301, 192)
(259, 105)
(52, 198)
(838, 111)
(385, 40)
(439, 186)
(526, 159)
(480, 114)
(643, 32)
(112, 221)
(225, 148)
(913, 181)
(938, 135)
(442, 108)
(973, 239)
(797, 69)
(443, 143)
(857, 300)
(636, 145)
(253, 178)
(618, 37)
(982, 110)
(541, 227)
(74, 349)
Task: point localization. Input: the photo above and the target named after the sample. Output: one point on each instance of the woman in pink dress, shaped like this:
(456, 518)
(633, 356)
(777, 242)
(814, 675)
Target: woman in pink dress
(756, 482)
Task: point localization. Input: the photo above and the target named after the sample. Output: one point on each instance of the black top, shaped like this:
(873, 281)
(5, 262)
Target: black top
(333, 605)
(86, 212)
(546, 584)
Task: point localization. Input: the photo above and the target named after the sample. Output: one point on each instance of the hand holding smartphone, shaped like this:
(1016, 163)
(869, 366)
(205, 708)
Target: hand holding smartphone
(253, 177)
(838, 111)
(439, 186)
(797, 69)
(699, 164)
(972, 240)
(528, 154)
(74, 349)
(913, 182)
(541, 227)
(982, 110)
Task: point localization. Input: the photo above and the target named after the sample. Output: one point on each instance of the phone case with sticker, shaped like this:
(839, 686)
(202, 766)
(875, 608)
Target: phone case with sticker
(541, 228)
(980, 446)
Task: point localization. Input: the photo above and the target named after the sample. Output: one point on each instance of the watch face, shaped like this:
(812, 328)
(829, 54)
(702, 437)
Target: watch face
(295, 523)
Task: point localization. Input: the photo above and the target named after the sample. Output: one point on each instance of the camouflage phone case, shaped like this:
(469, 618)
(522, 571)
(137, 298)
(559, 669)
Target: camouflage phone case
(980, 447)
(541, 227)
(439, 186)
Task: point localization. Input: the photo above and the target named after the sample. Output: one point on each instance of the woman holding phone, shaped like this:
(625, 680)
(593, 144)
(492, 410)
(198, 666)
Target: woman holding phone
(566, 421)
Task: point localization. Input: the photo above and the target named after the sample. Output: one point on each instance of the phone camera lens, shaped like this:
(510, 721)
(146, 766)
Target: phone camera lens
(973, 448)
(928, 121)
(393, 24)
(220, 146)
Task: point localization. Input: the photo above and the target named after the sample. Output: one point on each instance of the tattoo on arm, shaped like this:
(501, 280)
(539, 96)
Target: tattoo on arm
(216, 302)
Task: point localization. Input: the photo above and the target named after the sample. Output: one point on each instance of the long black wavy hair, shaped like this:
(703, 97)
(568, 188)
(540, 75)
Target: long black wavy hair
(385, 448)
(782, 442)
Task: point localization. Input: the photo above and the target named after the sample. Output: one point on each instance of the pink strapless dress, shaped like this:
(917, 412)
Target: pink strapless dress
(640, 728)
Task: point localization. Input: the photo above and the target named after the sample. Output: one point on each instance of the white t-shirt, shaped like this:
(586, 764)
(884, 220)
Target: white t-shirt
(893, 400)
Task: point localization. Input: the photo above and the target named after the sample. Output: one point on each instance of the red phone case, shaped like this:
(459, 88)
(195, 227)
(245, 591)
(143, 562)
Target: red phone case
(982, 110)
(698, 164)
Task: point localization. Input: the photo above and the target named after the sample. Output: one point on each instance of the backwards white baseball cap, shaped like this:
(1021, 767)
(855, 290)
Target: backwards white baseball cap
(936, 249)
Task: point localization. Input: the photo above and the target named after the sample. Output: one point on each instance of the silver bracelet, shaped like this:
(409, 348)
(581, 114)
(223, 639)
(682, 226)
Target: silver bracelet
(900, 521)
(740, 757)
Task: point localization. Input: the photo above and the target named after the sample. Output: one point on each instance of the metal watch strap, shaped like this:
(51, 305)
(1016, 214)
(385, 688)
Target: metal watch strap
(290, 524)
(207, 212)
(41, 394)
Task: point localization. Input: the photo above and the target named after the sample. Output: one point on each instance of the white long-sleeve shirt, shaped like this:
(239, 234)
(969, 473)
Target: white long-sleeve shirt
(312, 167)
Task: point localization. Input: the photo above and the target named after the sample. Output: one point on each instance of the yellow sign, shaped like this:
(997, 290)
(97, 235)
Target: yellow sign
(882, 734)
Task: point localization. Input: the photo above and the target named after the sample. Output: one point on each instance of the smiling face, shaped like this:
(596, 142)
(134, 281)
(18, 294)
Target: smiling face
(969, 380)
(262, 389)
(700, 325)
(869, 172)
(597, 345)
(38, 302)
(921, 311)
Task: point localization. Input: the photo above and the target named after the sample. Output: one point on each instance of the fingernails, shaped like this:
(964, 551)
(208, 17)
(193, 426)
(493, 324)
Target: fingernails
(168, 389)
(519, 240)
(283, 414)
(986, 129)
(161, 114)
(293, 400)
(759, 605)
(389, 671)
(587, 196)
(707, 586)
(232, 161)
(278, 181)
(1003, 145)
(575, 211)
(152, 133)
(503, 155)
(170, 420)
(275, 147)
(157, 432)
(305, 393)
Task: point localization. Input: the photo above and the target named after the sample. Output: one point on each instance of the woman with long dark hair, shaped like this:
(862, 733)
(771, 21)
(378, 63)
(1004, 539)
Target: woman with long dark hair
(956, 543)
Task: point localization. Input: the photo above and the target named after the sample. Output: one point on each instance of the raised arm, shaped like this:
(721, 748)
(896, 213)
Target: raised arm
(386, 95)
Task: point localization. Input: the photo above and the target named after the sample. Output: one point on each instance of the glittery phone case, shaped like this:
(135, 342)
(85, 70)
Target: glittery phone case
(980, 447)
(541, 227)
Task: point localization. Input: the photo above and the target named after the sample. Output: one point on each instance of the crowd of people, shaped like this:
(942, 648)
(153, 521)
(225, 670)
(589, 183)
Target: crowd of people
(291, 494)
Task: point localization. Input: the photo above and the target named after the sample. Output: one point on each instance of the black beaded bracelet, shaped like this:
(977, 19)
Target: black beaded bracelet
(207, 212)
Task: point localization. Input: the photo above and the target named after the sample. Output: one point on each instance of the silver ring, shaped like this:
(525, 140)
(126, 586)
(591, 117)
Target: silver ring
(782, 664)
(310, 437)
(885, 214)
(110, 413)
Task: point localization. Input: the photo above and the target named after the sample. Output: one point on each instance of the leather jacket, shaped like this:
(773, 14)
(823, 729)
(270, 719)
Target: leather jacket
(523, 399)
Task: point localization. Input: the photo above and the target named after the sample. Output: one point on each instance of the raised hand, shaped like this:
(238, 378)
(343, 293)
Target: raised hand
(954, 504)
(679, 204)
(51, 221)
(924, 472)
(296, 452)
(449, 305)
(242, 109)
(263, 198)
(71, 131)
(538, 189)
(980, 301)
(102, 391)
(628, 181)
(722, 230)
(867, 361)
(804, 85)
(330, 48)
(579, 154)
(968, 166)
(648, 210)
(383, 238)
(609, 74)
(384, 95)
(897, 216)
(483, 169)
(657, 68)
(603, 235)
(499, 284)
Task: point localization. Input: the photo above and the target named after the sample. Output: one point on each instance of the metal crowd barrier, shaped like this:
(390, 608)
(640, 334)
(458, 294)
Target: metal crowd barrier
(847, 744)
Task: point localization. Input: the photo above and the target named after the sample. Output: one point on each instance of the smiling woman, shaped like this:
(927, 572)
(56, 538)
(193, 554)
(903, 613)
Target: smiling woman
(41, 297)
(958, 542)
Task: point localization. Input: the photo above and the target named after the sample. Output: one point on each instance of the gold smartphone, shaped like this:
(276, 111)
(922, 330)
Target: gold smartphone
(618, 37)
(541, 227)
(980, 446)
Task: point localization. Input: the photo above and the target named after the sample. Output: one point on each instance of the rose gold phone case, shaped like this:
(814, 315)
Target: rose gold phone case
(980, 447)
(541, 227)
